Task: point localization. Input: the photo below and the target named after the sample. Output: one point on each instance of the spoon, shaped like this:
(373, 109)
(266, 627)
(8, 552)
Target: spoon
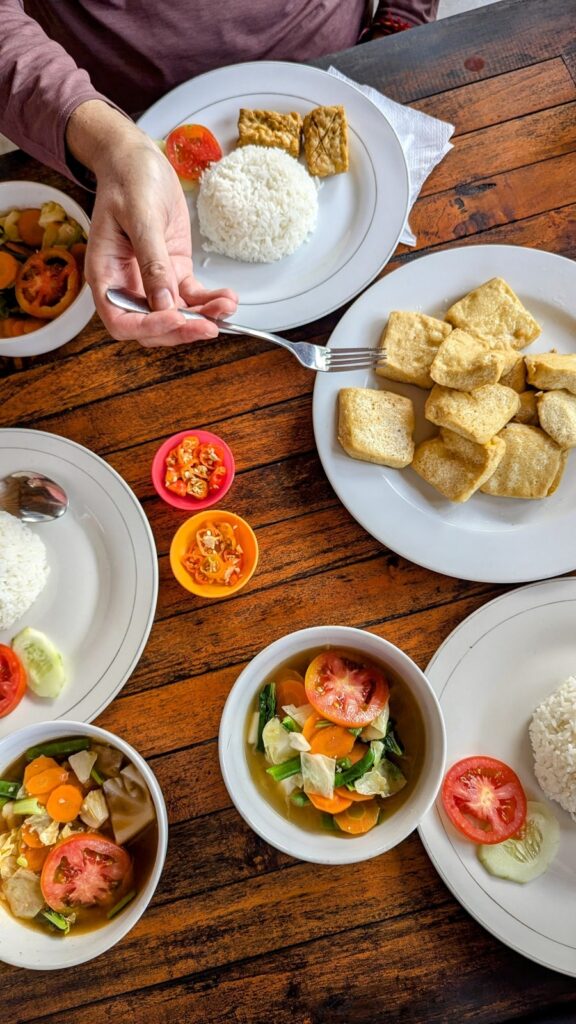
(32, 497)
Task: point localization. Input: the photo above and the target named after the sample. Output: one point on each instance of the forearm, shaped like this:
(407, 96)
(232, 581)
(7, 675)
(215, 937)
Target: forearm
(99, 137)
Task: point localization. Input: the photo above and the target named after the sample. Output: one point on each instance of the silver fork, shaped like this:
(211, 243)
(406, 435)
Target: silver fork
(313, 357)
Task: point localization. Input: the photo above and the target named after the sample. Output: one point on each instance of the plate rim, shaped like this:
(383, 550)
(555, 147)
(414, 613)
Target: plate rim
(345, 87)
(431, 830)
(402, 547)
(55, 440)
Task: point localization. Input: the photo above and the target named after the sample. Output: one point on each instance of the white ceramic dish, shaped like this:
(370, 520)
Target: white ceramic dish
(328, 848)
(489, 675)
(98, 604)
(497, 540)
(24, 194)
(31, 948)
(361, 213)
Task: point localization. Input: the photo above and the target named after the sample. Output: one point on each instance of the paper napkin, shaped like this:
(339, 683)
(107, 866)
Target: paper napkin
(424, 139)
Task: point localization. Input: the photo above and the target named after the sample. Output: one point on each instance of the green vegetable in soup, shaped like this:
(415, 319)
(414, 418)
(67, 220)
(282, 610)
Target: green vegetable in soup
(290, 724)
(58, 748)
(299, 798)
(279, 772)
(266, 711)
(347, 777)
(28, 805)
(58, 920)
(9, 789)
(391, 743)
(121, 904)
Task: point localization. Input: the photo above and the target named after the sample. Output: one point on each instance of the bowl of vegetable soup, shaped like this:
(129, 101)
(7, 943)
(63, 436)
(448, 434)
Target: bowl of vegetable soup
(332, 745)
(83, 837)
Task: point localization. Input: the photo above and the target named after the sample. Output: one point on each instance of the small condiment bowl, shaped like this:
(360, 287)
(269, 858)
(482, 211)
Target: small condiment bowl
(327, 847)
(37, 950)
(188, 503)
(184, 538)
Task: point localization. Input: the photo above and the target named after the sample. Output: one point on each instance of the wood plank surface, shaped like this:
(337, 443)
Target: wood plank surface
(238, 931)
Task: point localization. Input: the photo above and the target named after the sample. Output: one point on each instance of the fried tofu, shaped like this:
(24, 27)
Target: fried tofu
(411, 342)
(532, 465)
(557, 415)
(494, 311)
(476, 415)
(376, 426)
(268, 128)
(552, 371)
(455, 466)
(465, 363)
(528, 411)
(514, 375)
(326, 141)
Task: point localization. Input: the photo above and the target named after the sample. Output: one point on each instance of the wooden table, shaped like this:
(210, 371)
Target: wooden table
(237, 931)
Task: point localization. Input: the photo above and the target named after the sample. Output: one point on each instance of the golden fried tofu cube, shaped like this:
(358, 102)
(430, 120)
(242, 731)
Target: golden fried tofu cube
(326, 141)
(557, 416)
(552, 371)
(514, 375)
(528, 411)
(495, 312)
(477, 415)
(411, 342)
(455, 466)
(268, 128)
(532, 465)
(376, 426)
(465, 363)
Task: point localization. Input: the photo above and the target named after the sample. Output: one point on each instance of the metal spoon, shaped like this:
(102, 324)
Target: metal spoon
(32, 497)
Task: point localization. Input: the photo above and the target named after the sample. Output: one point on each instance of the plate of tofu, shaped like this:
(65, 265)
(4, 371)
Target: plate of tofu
(343, 140)
(456, 451)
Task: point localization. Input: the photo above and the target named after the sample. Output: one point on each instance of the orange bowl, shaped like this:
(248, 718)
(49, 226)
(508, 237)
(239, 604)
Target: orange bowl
(184, 538)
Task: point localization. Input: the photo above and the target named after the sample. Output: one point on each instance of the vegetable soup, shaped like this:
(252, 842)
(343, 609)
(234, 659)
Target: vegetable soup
(335, 740)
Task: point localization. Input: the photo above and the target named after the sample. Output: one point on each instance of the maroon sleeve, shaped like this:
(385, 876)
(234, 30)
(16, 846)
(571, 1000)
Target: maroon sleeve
(40, 87)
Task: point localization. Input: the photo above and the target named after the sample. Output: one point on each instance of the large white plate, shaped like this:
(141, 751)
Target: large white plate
(489, 675)
(98, 604)
(361, 213)
(497, 540)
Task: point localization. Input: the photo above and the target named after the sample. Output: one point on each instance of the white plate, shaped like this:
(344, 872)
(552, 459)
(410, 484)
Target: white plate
(498, 540)
(361, 213)
(98, 604)
(489, 675)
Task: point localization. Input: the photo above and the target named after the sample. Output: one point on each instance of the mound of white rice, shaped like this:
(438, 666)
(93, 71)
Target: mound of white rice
(553, 737)
(23, 569)
(257, 205)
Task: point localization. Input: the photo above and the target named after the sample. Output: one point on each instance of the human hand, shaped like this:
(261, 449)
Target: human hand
(140, 241)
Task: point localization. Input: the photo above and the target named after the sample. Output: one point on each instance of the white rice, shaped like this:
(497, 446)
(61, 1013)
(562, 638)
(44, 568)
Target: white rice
(553, 737)
(257, 205)
(23, 569)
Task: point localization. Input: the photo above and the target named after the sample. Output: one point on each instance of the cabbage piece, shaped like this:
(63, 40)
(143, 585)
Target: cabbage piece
(94, 810)
(10, 225)
(299, 714)
(383, 780)
(51, 212)
(298, 741)
(108, 760)
(130, 804)
(318, 773)
(45, 828)
(377, 728)
(82, 764)
(276, 741)
(290, 784)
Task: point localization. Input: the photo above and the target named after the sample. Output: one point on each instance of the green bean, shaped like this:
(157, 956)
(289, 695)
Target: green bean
(9, 789)
(59, 748)
(121, 904)
(279, 772)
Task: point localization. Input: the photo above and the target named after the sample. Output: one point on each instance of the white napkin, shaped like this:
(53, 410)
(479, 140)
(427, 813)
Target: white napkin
(424, 140)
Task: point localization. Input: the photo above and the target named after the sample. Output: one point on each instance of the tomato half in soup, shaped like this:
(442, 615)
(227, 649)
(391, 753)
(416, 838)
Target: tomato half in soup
(86, 870)
(346, 690)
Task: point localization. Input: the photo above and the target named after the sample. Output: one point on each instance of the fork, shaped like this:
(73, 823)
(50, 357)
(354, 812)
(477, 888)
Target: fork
(313, 357)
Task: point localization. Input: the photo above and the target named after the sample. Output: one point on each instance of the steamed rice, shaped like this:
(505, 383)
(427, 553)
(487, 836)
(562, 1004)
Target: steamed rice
(257, 205)
(553, 737)
(23, 569)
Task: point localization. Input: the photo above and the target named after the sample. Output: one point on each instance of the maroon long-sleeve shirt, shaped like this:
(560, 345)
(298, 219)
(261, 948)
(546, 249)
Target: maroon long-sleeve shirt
(56, 54)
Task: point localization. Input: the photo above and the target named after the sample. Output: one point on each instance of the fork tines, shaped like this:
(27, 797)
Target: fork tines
(354, 358)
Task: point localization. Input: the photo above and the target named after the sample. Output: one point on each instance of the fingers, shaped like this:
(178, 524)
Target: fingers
(220, 303)
(152, 329)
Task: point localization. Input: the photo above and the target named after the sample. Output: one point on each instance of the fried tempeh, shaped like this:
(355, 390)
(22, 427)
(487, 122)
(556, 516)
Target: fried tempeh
(326, 141)
(268, 128)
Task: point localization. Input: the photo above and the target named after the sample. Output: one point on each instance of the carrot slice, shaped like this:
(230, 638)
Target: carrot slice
(35, 856)
(31, 838)
(331, 806)
(352, 795)
(9, 268)
(44, 782)
(333, 741)
(39, 764)
(64, 803)
(290, 691)
(310, 725)
(358, 818)
(29, 229)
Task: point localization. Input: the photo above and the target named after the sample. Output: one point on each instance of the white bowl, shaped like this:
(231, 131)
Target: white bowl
(22, 195)
(28, 947)
(285, 835)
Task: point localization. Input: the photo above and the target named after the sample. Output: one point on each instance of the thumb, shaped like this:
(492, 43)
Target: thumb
(156, 270)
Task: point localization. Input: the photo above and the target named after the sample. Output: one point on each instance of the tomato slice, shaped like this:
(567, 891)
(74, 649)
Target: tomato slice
(47, 283)
(85, 870)
(484, 799)
(12, 680)
(346, 690)
(191, 148)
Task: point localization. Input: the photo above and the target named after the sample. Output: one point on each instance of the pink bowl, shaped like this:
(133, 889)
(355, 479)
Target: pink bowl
(188, 502)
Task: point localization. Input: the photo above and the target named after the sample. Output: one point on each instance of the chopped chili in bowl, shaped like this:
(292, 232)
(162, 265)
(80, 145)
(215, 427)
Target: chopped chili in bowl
(215, 555)
(194, 468)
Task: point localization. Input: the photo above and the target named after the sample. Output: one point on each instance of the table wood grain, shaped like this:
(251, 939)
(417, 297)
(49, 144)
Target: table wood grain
(236, 930)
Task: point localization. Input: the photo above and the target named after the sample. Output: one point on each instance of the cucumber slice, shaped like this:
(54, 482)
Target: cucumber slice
(527, 854)
(42, 661)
